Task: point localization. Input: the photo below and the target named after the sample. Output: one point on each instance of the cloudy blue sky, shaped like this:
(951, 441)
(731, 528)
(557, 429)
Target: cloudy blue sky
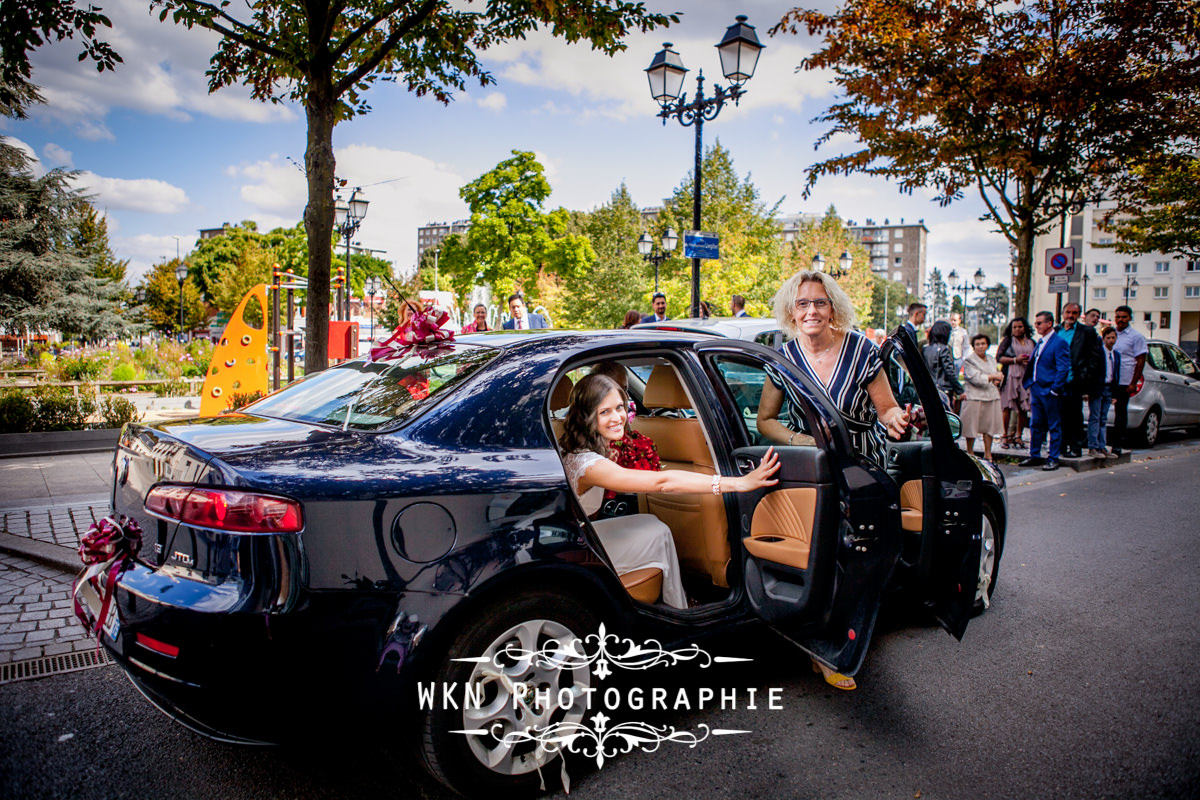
(164, 158)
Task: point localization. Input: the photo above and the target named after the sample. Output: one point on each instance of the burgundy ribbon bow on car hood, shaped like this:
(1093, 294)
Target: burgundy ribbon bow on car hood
(423, 328)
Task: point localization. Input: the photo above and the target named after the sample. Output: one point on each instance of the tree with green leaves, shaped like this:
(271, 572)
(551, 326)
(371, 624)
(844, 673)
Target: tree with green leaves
(889, 295)
(89, 238)
(1158, 205)
(46, 282)
(620, 279)
(26, 25)
(751, 262)
(938, 294)
(326, 54)
(161, 304)
(513, 242)
(1035, 104)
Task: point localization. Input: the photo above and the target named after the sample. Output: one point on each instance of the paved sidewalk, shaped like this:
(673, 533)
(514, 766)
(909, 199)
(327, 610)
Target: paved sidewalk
(36, 615)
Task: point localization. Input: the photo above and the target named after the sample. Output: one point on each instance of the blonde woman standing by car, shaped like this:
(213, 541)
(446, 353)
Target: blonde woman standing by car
(981, 397)
(817, 316)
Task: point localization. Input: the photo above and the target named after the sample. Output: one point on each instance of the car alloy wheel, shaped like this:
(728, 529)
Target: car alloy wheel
(989, 561)
(1150, 425)
(509, 660)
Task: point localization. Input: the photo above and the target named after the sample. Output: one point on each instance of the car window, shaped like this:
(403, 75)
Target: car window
(366, 396)
(769, 338)
(744, 380)
(1158, 358)
(1183, 364)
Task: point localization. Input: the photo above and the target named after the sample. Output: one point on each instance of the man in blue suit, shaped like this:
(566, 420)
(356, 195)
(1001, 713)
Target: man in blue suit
(1046, 379)
(520, 319)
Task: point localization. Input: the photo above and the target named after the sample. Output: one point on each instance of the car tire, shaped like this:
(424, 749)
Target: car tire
(989, 560)
(1148, 432)
(479, 765)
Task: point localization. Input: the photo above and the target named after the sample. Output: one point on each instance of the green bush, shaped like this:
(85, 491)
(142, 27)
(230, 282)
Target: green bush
(17, 412)
(172, 388)
(117, 411)
(60, 410)
(79, 368)
(124, 372)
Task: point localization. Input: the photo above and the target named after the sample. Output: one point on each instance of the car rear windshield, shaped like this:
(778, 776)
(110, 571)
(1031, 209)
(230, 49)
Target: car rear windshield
(366, 396)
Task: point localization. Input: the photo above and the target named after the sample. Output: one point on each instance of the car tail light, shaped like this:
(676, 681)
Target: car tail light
(226, 509)
(1141, 382)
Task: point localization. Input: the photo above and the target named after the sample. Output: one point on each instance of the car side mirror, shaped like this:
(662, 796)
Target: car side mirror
(955, 424)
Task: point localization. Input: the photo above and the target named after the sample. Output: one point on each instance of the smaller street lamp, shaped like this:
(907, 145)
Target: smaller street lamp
(843, 264)
(181, 275)
(348, 216)
(372, 289)
(818, 263)
(1130, 283)
(651, 253)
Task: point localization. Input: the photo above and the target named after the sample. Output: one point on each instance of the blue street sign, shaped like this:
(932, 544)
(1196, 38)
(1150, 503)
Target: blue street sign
(698, 244)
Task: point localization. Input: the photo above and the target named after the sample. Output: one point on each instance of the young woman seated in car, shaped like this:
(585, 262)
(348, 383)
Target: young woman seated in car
(597, 417)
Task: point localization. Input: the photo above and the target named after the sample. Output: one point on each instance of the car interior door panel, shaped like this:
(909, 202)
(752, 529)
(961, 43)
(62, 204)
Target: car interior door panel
(781, 530)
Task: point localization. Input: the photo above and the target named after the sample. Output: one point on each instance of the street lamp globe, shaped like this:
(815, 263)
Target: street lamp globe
(739, 52)
(358, 205)
(666, 73)
(818, 263)
(844, 261)
(669, 240)
(979, 278)
(645, 245)
(341, 211)
(181, 272)
(952, 278)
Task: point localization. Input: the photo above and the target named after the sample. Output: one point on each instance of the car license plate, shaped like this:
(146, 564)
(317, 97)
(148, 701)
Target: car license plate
(112, 622)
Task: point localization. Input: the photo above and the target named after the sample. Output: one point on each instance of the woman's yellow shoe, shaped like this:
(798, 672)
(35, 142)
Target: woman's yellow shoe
(835, 679)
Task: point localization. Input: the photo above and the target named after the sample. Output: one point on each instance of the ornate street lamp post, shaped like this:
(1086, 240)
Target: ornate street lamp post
(348, 216)
(739, 55)
(965, 288)
(181, 275)
(372, 289)
(652, 254)
(845, 260)
(1130, 283)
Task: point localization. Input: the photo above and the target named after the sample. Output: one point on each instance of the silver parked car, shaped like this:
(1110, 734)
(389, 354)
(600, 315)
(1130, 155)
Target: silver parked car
(1169, 396)
(764, 330)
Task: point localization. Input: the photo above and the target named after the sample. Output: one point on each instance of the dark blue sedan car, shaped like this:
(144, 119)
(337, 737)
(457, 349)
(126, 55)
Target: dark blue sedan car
(307, 563)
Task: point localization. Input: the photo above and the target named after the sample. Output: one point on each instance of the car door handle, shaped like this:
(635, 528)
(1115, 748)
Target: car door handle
(745, 464)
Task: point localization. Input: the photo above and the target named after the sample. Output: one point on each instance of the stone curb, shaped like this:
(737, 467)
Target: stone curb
(52, 555)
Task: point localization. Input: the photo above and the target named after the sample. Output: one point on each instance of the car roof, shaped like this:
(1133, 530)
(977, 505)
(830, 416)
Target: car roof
(729, 327)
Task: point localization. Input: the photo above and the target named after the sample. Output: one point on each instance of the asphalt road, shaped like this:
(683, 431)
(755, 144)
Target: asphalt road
(1078, 683)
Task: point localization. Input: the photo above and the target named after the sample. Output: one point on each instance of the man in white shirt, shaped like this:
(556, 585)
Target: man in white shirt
(958, 339)
(1131, 349)
(737, 304)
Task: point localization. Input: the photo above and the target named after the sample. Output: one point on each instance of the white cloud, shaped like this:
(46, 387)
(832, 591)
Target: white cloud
(145, 250)
(35, 164)
(56, 156)
(141, 194)
(162, 73)
(405, 191)
(496, 101)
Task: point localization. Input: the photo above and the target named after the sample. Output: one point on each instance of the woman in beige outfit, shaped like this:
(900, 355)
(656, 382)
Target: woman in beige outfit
(981, 400)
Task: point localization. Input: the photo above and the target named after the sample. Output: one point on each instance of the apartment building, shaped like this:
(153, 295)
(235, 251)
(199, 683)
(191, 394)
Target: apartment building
(898, 251)
(431, 234)
(1162, 290)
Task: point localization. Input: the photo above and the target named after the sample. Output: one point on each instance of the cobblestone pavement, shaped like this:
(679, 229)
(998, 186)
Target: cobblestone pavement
(54, 524)
(36, 616)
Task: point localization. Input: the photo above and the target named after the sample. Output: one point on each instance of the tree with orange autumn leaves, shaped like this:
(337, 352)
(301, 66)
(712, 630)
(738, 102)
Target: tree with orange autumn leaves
(1038, 105)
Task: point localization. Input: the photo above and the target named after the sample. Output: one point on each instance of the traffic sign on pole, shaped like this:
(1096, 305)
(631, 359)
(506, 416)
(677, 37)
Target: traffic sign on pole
(1060, 261)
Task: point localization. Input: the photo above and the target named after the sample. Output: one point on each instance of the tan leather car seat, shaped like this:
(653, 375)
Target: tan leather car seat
(697, 521)
(912, 506)
(560, 399)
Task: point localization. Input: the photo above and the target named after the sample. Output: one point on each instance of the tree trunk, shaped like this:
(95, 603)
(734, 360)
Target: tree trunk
(1024, 278)
(319, 166)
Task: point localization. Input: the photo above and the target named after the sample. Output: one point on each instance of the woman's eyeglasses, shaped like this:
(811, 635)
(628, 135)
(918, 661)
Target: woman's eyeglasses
(820, 304)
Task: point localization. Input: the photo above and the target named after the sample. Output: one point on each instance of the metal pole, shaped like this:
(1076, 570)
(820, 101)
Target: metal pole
(276, 332)
(886, 286)
(181, 308)
(349, 230)
(291, 327)
(696, 194)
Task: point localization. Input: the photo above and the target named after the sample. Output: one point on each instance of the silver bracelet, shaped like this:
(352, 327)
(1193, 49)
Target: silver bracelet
(716, 483)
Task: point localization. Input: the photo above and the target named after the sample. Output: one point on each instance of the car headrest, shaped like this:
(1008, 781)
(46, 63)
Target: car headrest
(663, 389)
(560, 398)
